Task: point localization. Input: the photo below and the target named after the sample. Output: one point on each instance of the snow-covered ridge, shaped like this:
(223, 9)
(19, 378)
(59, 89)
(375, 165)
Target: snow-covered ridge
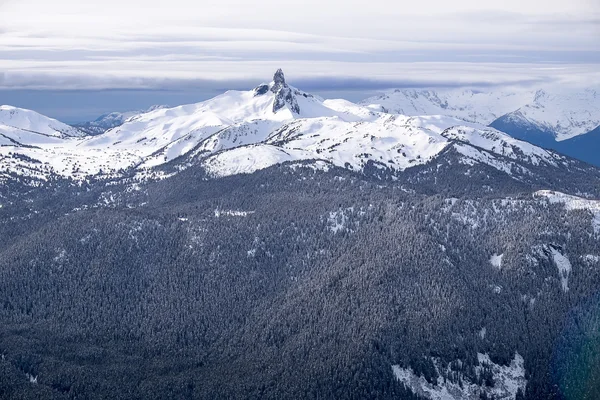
(481, 107)
(565, 115)
(562, 114)
(245, 131)
(19, 121)
(112, 120)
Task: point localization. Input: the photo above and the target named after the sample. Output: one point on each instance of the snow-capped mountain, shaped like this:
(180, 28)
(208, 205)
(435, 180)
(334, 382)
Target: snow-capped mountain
(466, 104)
(25, 126)
(393, 142)
(562, 115)
(552, 119)
(111, 120)
(245, 131)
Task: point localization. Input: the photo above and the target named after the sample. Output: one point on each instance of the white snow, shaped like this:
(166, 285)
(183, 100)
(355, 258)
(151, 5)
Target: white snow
(483, 333)
(232, 213)
(469, 105)
(507, 381)
(502, 144)
(61, 256)
(496, 260)
(565, 113)
(392, 141)
(32, 379)
(573, 203)
(238, 133)
(27, 123)
(592, 258)
(564, 268)
(337, 220)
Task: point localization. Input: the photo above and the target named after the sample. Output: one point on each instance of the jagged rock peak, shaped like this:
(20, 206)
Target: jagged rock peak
(278, 81)
(284, 95)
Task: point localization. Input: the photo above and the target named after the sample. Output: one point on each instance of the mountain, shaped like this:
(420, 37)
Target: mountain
(469, 105)
(568, 124)
(548, 119)
(300, 282)
(21, 126)
(111, 120)
(245, 131)
(562, 115)
(270, 244)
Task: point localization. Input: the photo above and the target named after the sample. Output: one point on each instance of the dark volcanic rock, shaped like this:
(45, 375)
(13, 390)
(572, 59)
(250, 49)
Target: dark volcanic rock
(260, 90)
(284, 95)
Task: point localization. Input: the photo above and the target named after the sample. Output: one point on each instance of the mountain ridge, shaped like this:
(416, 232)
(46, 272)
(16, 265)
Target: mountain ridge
(244, 131)
(551, 119)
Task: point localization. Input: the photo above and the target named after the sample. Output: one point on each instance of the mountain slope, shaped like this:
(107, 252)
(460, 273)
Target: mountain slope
(298, 248)
(111, 120)
(244, 131)
(481, 107)
(389, 142)
(328, 284)
(562, 115)
(548, 119)
(22, 125)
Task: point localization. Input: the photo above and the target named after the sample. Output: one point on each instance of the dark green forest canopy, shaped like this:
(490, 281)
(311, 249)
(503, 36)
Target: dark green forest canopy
(293, 283)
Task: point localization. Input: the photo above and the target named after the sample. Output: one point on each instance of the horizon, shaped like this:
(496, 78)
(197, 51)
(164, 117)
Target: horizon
(78, 106)
(77, 61)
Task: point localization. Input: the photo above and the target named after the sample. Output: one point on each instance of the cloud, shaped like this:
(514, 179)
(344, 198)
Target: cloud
(316, 76)
(139, 44)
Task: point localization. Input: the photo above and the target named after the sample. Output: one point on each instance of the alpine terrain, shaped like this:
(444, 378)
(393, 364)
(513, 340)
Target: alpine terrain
(271, 244)
(564, 120)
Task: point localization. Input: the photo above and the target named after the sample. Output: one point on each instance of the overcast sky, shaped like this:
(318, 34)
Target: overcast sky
(324, 46)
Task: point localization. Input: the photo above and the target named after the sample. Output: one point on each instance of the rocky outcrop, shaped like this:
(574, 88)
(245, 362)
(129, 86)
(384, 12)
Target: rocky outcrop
(284, 95)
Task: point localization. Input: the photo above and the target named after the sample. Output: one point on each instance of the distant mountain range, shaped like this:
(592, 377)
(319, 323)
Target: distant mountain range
(245, 131)
(565, 121)
(111, 120)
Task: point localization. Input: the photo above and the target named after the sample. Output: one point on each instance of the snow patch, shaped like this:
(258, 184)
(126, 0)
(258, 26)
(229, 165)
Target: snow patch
(32, 379)
(483, 333)
(232, 213)
(508, 380)
(61, 256)
(564, 268)
(573, 203)
(337, 220)
(591, 258)
(496, 260)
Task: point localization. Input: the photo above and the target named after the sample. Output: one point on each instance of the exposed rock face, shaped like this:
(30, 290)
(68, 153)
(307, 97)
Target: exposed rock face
(284, 95)
(278, 81)
(260, 90)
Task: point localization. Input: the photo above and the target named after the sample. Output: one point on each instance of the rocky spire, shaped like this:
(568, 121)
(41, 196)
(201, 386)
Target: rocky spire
(284, 95)
(278, 81)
